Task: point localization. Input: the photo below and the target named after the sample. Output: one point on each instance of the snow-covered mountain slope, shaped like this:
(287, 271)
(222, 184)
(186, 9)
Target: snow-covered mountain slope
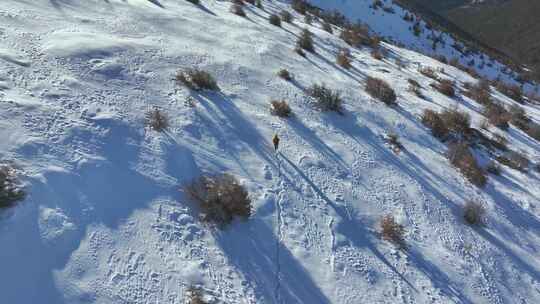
(390, 24)
(104, 220)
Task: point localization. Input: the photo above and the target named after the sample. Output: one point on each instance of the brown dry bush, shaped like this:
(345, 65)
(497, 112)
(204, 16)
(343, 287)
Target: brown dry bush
(479, 92)
(497, 115)
(514, 160)
(11, 190)
(157, 120)
(220, 198)
(380, 90)
(377, 54)
(197, 80)
(445, 87)
(356, 36)
(474, 213)
(238, 9)
(392, 231)
(512, 91)
(415, 88)
(456, 121)
(195, 296)
(461, 157)
(519, 118)
(343, 60)
(429, 72)
(280, 108)
(433, 121)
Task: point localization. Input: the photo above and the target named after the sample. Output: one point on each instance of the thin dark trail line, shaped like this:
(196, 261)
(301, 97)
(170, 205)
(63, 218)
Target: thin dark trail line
(279, 220)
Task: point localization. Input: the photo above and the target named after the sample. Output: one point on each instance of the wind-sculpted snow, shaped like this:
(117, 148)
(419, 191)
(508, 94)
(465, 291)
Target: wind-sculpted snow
(104, 220)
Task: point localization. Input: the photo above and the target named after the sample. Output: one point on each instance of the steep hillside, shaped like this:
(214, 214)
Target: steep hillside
(105, 220)
(510, 26)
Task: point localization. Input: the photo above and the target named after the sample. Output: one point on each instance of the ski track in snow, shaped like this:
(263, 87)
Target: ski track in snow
(314, 234)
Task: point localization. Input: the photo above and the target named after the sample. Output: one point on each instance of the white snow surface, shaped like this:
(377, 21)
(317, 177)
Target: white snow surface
(105, 222)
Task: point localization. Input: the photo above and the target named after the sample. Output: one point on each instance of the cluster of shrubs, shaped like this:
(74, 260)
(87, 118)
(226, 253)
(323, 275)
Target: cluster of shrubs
(448, 122)
(381, 90)
(415, 88)
(11, 190)
(221, 198)
(326, 99)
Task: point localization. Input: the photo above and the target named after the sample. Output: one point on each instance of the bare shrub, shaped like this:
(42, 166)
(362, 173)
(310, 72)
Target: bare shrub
(461, 157)
(392, 231)
(500, 142)
(274, 20)
(286, 16)
(327, 27)
(519, 118)
(445, 87)
(493, 168)
(415, 88)
(433, 121)
(533, 130)
(195, 296)
(479, 92)
(299, 6)
(308, 19)
(377, 54)
(474, 213)
(380, 90)
(356, 35)
(285, 75)
(497, 115)
(343, 60)
(197, 80)
(327, 100)
(394, 142)
(221, 198)
(305, 41)
(456, 121)
(514, 160)
(238, 9)
(513, 91)
(157, 120)
(298, 50)
(429, 72)
(11, 190)
(280, 108)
